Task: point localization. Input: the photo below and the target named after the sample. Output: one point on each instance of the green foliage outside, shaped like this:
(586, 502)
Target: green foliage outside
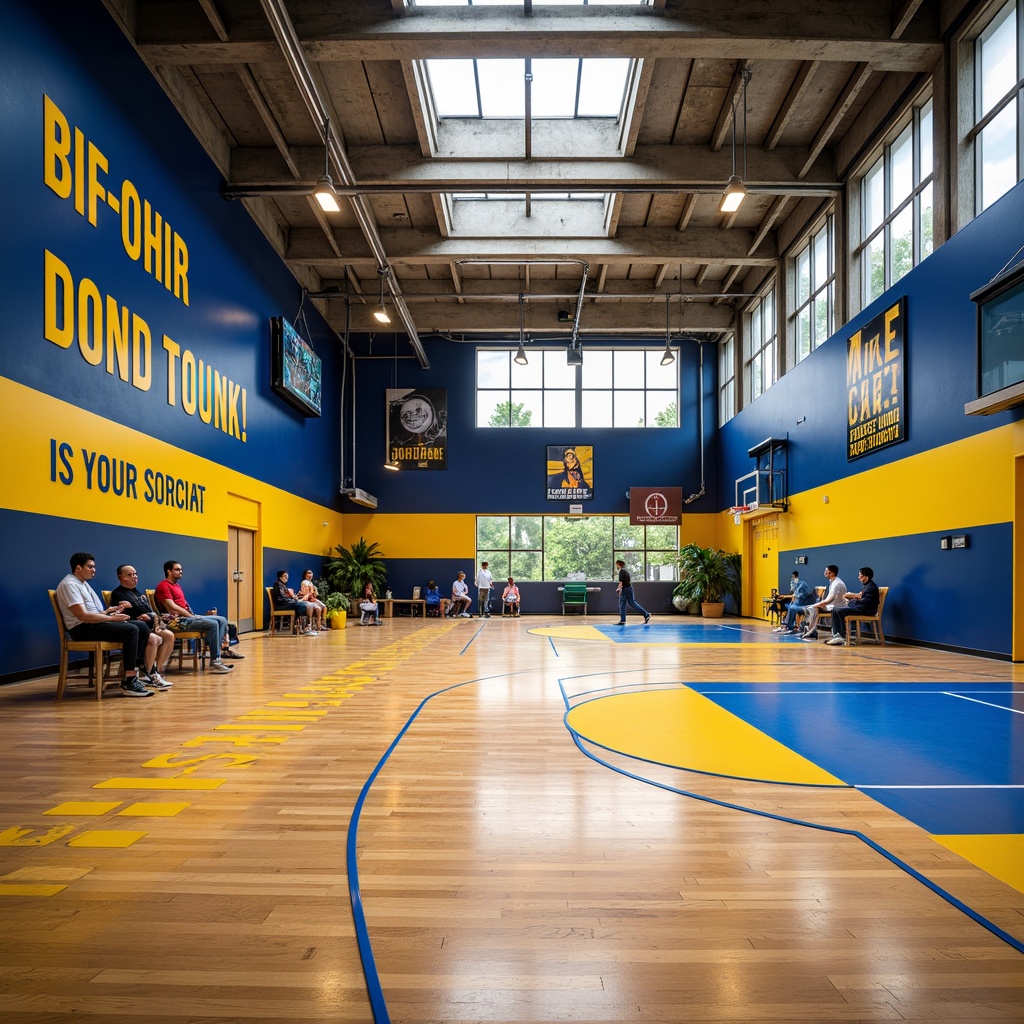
(511, 414)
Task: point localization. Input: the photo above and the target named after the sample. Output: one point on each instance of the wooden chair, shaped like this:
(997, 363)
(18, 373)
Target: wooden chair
(574, 595)
(189, 643)
(875, 621)
(287, 614)
(97, 648)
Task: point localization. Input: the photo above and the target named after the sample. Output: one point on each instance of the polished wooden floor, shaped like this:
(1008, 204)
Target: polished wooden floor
(183, 858)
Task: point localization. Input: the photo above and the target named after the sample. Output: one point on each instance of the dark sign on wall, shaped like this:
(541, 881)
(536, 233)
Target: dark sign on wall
(570, 472)
(418, 427)
(876, 408)
(655, 506)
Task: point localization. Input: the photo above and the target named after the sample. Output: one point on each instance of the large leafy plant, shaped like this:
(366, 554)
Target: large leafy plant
(355, 566)
(705, 575)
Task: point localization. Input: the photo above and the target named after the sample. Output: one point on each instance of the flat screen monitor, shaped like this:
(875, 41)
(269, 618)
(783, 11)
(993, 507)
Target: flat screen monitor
(297, 369)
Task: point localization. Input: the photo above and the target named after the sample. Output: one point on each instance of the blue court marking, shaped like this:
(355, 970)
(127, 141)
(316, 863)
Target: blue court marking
(688, 633)
(952, 900)
(950, 765)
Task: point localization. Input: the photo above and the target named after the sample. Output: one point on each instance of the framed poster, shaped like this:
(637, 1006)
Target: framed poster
(570, 472)
(876, 403)
(655, 506)
(417, 427)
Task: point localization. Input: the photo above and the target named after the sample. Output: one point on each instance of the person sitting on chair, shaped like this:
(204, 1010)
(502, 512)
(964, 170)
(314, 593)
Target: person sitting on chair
(156, 654)
(433, 599)
(864, 603)
(309, 594)
(368, 606)
(510, 598)
(170, 597)
(460, 597)
(285, 600)
(85, 618)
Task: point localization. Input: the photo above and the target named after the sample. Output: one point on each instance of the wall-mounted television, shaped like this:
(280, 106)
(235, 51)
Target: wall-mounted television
(297, 369)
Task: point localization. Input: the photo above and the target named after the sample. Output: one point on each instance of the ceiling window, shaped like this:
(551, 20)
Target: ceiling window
(998, 106)
(896, 207)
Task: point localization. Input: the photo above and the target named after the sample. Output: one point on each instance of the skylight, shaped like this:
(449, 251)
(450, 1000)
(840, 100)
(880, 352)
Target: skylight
(566, 87)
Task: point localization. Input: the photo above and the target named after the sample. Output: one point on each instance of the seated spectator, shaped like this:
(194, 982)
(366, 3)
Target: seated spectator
(864, 603)
(460, 598)
(159, 639)
(510, 597)
(284, 598)
(801, 595)
(85, 618)
(368, 607)
(309, 594)
(170, 598)
(433, 599)
(835, 597)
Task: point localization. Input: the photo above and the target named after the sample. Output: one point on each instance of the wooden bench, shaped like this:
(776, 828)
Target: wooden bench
(284, 614)
(385, 603)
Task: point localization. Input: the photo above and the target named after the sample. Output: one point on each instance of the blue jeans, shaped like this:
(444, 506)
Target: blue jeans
(214, 628)
(626, 598)
(794, 609)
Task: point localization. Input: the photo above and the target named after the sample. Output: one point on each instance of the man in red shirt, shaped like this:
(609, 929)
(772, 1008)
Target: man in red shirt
(171, 598)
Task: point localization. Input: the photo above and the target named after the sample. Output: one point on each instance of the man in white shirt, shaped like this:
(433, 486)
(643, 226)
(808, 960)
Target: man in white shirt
(835, 597)
(460, 598)
(484, 582)
(85, 618)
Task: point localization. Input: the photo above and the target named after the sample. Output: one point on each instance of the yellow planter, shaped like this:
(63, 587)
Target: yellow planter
(338, 618)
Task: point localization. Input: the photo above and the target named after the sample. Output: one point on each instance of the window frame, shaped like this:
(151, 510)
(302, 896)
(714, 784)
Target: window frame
(828, 286)
(764, 350)
(547, 395)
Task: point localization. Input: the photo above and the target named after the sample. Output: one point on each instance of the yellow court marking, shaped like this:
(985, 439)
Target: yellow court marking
(685, 729)
(83, 807)
(571, 633)
(1001, 855)
(107, 839)
(29, 889)
(177, 783)
(143, 810)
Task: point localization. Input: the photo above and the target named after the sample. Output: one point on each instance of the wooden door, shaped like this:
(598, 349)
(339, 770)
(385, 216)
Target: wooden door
(241, 573)
(764, 549)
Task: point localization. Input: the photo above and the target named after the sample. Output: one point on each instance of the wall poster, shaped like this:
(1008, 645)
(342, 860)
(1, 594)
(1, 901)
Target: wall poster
(876, 407)
(570, 472)
(417, 425)
(655, 506)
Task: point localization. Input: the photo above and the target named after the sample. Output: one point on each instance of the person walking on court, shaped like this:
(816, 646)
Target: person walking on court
(625, 592)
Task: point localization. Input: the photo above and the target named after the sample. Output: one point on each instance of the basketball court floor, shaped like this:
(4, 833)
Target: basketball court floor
(527, 820)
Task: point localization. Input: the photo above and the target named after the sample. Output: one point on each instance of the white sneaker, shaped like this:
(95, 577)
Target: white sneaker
(157, 681)
(836, 641)
(310, 632)
(219, 666)
(465, 615)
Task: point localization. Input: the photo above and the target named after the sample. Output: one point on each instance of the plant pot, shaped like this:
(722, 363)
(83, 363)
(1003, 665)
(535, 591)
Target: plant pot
(681, 605)
(712, 610)
(337, 618)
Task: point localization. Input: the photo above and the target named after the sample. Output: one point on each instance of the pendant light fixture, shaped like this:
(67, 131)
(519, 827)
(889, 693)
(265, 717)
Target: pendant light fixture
(381, 313)
(324, 192)
(735, 191)
(667, 357)
(520, 357)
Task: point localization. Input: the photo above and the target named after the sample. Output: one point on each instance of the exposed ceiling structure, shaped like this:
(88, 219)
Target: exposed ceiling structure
(789, 93)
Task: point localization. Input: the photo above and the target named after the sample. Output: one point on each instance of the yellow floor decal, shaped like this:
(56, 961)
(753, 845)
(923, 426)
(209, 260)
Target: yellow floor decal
(682, 728)
(83, 807)
(567, 632)
(1001, 856)
(143, 810)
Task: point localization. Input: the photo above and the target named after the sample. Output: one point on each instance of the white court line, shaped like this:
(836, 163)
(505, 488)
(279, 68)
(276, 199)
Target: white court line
(981, 786)
(1001, 707)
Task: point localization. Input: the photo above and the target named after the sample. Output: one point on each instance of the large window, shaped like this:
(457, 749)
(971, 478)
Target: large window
(761, 345)
(561, 547)
(814, 291)
(612, 388)
(998, 105)
(896, 207)
(727, 376)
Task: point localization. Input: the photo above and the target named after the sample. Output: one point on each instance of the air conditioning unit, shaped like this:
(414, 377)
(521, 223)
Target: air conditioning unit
(360, 497)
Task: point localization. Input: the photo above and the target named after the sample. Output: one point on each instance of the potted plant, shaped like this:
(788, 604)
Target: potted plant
(355, 566)
(337, 609)
(705, 577)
